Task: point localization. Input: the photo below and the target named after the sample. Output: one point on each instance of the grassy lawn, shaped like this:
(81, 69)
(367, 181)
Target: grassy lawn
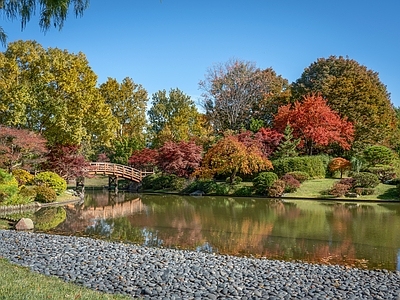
(315, 189)
(20, 283)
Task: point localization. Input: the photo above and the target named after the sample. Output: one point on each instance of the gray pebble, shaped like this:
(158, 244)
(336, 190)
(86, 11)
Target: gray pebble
(152, 273)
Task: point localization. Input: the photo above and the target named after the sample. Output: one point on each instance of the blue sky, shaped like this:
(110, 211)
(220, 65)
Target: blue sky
(171, 43)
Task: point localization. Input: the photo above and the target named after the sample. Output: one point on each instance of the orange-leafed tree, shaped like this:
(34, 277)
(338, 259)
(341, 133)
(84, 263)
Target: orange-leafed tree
(231, 157)
(339, 164)
(315, 124)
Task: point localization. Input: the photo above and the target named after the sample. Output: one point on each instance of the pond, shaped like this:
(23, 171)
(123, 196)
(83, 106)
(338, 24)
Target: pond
(365, 235)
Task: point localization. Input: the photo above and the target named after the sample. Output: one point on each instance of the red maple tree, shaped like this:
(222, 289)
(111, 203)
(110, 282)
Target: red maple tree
(20, 148)
(315, 123)
(266, 139)
(67, 161)
(180, 158)
(144, 159)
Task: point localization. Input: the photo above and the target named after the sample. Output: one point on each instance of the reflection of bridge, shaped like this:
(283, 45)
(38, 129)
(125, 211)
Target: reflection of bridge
(116, 171)
(112, 211)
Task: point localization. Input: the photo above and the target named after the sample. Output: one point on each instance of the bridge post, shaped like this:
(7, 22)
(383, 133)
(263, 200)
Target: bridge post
(113, 183)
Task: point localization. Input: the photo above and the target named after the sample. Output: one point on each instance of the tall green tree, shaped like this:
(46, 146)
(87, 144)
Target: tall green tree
(52, 12)
(174, 117)
(355, 92)
(128, 102)
(53, 92)
(237, 91)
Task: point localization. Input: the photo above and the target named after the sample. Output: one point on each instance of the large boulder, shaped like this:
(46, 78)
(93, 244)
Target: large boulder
(24, 224)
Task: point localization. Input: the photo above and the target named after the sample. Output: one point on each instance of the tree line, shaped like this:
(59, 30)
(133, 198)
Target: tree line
(249, 115)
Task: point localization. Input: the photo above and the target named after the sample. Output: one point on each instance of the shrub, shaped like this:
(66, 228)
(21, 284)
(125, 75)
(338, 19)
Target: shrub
(45, 194)
(222, 189)
(339, 189)
(365, 180)
(379, 155)
(52, 180)
(205, 185)
(8, 186)
(291, 183)
(384, 172)
(28, 193)
(263, 181)
(364, 191)
(23, 177)
(277, 189)
(236, 180)
(350, 181)
(300, 176)
(314, 166)
(244, 191)
(147, 182)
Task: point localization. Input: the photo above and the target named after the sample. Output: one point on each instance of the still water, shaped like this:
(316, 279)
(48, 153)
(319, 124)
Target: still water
(365, 235)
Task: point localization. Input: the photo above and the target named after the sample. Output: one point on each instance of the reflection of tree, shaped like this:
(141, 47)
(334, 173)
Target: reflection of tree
(326, 231)
(49, 217)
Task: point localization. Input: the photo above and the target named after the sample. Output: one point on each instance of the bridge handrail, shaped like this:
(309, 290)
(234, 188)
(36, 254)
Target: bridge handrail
(118, 169)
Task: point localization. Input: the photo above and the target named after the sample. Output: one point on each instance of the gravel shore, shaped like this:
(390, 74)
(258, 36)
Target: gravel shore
(153, 273)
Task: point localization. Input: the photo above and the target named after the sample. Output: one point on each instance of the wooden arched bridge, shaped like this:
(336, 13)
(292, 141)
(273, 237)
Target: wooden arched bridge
(116, 172)
(120, 171)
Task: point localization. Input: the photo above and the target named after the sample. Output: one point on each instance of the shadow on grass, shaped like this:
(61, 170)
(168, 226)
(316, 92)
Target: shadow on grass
(390, 194)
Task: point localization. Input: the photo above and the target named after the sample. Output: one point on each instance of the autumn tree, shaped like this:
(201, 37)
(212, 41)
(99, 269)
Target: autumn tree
(20, 148)
(230, 157)
(354, 92)
(174, 117)
(67, 161)
(339, 164)
(236, 91)
(144, 159)
(315, 124)
(52, 92)
(266, 140)
(179, 158)
(52, 13)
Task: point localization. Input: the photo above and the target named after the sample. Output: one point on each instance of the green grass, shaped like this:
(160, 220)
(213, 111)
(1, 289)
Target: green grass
(314, 188)
(20, 283)
(317, 188)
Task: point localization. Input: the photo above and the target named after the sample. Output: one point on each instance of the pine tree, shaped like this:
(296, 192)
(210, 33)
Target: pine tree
(288, 145)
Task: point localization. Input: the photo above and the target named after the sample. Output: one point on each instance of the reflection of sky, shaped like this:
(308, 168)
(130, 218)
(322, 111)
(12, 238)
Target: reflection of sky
(206, 248)
(398, 260)
(102, 227)
(151, 238)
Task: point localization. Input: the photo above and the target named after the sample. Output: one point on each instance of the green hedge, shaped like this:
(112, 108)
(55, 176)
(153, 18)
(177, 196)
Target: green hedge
(314, 166)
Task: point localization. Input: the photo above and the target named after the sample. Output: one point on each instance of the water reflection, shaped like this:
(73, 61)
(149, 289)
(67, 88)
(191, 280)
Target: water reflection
(355, 234)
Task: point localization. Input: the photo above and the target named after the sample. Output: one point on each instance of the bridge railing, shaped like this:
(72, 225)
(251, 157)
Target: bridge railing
(117, 170)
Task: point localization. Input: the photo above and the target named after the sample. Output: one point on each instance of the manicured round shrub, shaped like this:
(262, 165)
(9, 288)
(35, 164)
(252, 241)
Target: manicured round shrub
(52, 180)
(300, 176)
(45, 194)
(263, 181)
(23, 177)
(291, 183)
(277, 189)
(365, 180)
(385, 173)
